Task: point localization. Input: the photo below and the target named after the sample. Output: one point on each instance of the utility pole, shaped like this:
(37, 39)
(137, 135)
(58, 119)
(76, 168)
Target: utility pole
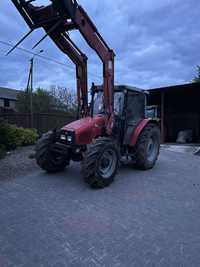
(29, 88)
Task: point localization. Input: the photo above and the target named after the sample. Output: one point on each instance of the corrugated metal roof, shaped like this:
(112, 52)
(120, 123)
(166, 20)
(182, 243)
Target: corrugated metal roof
(177, 87)
(8, 93)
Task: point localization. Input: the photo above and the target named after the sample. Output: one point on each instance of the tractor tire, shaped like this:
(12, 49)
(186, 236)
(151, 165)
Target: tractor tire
(100, 163)
(147, 147)
(48, 160)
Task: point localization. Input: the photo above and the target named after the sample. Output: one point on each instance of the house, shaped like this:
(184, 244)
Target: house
(179, 107)
(8, 98)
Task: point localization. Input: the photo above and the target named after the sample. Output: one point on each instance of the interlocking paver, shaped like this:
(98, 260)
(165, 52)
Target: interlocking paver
(144, 219)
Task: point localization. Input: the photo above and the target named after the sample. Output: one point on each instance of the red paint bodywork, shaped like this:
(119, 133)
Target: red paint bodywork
(87, 129)
(138, 131)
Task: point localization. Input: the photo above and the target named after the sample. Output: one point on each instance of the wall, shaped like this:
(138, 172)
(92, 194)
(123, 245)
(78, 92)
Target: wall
(1, 103)
(11, 102)
(41, 121)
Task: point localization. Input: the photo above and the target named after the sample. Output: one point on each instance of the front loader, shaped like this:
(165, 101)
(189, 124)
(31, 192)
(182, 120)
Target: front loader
(114, 125)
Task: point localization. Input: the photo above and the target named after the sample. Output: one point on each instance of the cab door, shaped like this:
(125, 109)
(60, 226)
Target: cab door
(134, 113)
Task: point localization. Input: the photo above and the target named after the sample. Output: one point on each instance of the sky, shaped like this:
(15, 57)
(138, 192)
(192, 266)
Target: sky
(156, 43)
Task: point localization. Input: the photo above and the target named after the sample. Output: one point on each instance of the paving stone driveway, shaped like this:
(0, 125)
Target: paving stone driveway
(144, 219)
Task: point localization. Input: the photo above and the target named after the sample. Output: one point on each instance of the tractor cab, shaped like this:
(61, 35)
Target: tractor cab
(129, 109)
(124, 97)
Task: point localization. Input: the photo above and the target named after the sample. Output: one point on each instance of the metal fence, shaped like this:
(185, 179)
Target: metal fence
(41, 121)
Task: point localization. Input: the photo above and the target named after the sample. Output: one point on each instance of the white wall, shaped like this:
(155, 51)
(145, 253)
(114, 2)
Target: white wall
(12, 104)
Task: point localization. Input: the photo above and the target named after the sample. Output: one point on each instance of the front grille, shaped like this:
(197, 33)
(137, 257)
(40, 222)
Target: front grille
(69, 137)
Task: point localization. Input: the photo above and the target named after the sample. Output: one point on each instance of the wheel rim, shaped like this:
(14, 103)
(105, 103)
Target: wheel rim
(56, 158)
(107, 163)
(152, 148)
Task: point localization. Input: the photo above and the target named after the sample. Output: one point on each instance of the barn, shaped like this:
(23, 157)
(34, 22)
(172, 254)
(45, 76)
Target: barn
(179, 109)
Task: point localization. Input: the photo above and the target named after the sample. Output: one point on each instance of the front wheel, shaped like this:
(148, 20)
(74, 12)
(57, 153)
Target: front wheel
(47, 159)
(147, 147)
(100, 163)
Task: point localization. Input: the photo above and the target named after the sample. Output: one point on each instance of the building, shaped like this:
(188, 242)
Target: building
(179, 110)
(8, 98)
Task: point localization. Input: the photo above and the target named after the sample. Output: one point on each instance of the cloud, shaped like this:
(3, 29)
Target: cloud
(156, 44)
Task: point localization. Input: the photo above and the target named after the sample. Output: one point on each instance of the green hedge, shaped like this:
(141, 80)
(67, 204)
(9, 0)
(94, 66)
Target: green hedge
(12, 137)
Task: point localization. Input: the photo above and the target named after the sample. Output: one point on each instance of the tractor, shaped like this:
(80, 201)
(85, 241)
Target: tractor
(114, 125)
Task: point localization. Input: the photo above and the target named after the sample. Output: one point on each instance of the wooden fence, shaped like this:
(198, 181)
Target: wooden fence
(41, 121)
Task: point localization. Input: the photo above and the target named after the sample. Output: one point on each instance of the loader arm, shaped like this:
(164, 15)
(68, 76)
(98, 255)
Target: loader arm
(86, 27)
(66, 45)
(47, 18)
(58, 19)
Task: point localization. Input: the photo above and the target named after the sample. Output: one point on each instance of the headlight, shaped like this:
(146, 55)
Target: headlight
(63, 137)
(69, 138)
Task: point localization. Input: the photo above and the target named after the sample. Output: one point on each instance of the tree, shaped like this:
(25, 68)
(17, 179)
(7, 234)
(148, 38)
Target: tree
(56, 100)
(196, 79)
(65, 99)
(42, 101)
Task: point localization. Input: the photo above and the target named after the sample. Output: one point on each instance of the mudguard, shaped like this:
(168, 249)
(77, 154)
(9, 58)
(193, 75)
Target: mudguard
(139, 129)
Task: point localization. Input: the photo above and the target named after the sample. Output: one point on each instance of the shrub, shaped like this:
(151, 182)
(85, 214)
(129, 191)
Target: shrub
(12, 136)
(28, 136)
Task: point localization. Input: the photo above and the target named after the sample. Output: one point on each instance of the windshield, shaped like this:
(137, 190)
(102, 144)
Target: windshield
(98, 103)
(118, 103)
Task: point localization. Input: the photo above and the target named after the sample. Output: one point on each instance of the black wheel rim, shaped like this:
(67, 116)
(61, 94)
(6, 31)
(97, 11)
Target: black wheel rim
(56, 158)
(107, 163)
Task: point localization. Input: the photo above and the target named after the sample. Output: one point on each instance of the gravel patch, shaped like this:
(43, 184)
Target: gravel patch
(17, 163)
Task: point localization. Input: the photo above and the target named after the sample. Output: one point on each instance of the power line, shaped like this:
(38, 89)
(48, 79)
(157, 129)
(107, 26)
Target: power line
(50, 59)
(44, 57)
(33, 54)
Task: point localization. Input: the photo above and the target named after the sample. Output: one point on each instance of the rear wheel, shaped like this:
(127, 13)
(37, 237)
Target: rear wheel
(47, 159)
(147, 147)
(100, 163)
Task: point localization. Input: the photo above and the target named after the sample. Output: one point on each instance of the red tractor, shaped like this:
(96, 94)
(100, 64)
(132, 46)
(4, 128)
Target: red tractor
(114, 125)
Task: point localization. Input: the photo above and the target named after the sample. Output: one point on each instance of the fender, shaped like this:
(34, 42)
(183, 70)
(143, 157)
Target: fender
(139, 129)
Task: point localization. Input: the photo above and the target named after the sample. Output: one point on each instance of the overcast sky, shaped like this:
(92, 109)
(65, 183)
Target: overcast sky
(156, 44)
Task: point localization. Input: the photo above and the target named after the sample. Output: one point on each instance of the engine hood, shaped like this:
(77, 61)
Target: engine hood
(86, 129)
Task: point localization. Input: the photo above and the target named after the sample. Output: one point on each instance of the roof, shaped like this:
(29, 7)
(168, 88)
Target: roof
(125, 87)
(177, 87)
(128, 87)
(8, 93)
